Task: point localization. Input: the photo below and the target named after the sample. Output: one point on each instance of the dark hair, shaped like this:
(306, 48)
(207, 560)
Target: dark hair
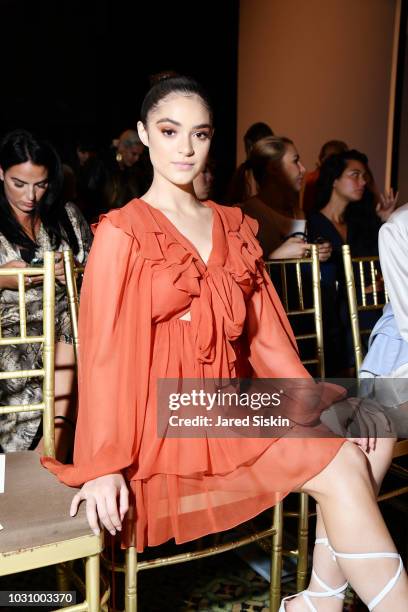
(336, 146)
(331, 169)
(254, 133)
(362, 221)
(168, 84)
(16, 148)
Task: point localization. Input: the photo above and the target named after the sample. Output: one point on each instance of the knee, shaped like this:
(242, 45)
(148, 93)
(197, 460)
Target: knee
(351, 461)
(346, 472)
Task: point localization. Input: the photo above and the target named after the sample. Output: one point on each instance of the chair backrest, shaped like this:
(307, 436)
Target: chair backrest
(73, 273)
(46, 340)
(365, 295)
(298, 286)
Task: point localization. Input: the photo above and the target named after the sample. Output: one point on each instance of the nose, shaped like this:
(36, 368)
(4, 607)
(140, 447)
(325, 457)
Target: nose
(302, 169)
(30, 193)
(186, 145)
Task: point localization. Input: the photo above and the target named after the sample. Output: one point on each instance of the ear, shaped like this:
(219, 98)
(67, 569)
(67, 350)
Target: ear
(1, 174)
(143, 135)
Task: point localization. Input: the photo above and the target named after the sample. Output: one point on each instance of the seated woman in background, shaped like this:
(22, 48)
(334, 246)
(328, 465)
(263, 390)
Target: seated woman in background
(243, 184)
(34, 219)
(348, 214)
(331, 147)
(279, 173)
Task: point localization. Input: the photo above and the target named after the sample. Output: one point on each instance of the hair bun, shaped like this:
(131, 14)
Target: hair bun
(162, 76)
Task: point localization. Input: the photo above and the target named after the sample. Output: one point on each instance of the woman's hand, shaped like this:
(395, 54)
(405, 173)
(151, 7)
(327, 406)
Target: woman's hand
(293, 248)
(59, 268)
(387, 204)
(325, 250)
(11, 282)
(101, 496)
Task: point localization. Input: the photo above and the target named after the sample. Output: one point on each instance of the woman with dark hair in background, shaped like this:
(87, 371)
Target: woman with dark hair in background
(332, 147)
(348, 214)
(279, 173)
(243, 184)
(33, 219)
(176, 289)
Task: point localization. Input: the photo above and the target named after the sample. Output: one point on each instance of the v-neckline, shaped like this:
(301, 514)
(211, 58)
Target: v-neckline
(182, 237)
(343, 241)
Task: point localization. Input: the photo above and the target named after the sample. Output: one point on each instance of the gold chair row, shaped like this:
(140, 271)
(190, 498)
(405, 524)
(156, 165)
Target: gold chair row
(41, 555)
(368, 272)
(46, 535)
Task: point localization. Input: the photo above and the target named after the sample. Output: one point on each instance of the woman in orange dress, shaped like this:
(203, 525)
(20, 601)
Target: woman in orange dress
(176, 289)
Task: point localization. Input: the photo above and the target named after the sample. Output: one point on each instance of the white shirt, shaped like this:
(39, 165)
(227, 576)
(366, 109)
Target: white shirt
(393, 248)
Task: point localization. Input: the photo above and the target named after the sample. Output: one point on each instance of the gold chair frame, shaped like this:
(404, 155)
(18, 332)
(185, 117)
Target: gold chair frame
(132, 565)
(59, 552)
(303, 514)
(355, 306)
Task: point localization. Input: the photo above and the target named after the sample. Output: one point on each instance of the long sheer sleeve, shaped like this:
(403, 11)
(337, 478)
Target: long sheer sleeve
(106, 428)
(272, 346)
(393, 247)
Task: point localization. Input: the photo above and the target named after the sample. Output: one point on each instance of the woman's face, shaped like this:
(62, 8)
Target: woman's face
(178, 134)
(292, 167)
(24, 186)
(351, 184)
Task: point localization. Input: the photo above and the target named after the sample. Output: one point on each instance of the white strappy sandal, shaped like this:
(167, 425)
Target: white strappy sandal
(328, 592)
(381, 555)
(339, 592)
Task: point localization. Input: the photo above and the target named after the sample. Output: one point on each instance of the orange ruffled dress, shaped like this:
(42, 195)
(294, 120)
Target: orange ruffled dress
(142, 276)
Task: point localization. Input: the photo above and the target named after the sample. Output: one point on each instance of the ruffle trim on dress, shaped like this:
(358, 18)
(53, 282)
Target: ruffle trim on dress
(218, 292)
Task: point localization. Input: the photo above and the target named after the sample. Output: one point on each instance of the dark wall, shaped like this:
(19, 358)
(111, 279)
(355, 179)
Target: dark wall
(72, 68)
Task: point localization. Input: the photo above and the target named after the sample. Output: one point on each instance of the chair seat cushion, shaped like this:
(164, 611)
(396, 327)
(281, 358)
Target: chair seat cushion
(34, 509)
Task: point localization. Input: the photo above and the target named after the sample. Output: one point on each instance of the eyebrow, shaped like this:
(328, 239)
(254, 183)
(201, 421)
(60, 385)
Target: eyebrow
(15, 178)
(195, 127)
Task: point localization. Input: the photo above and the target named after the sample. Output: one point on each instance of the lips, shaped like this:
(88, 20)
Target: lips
(183, 165)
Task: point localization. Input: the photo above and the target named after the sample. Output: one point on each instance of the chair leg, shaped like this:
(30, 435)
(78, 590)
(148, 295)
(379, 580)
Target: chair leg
(131, 580)
(62, 576)
(92, 573)
(276, 559)
(303, 538)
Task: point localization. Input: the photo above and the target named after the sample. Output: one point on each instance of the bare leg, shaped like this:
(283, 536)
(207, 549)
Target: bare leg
(65, 400)
(324, 565)
(354, 524)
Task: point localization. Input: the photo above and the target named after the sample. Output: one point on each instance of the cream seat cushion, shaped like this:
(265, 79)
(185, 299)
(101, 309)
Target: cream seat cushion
(34, 509)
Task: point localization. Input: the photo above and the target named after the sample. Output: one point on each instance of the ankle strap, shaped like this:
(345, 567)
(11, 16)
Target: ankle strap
(330, 591)
(385, 555)
(324, 541)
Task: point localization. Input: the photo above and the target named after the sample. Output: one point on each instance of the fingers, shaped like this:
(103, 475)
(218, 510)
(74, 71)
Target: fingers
(108, 513)
(59, 269)
(123, 501)
(75, 503)
(295, 240)
(92, 515)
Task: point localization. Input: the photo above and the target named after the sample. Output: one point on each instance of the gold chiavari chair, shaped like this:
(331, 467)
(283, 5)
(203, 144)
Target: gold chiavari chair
(132, 564)
(298, 284)
(37, 530)
(367, 298)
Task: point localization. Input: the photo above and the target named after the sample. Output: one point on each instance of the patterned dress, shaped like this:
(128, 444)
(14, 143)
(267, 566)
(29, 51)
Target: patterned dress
(17, 431)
